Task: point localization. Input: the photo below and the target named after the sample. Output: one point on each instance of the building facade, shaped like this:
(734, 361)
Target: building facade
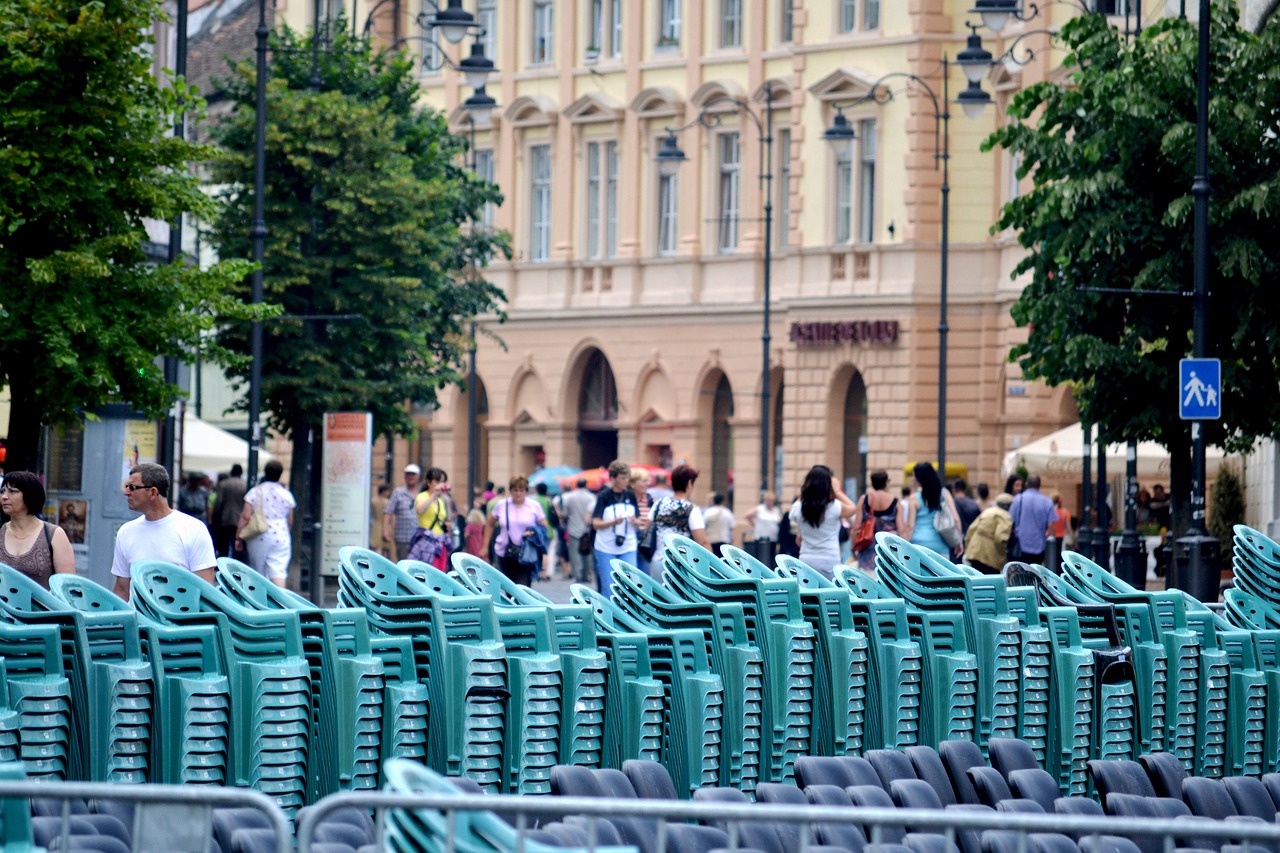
(635, 321)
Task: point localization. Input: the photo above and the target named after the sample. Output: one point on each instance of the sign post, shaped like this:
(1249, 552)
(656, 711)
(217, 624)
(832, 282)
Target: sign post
(1199, 399)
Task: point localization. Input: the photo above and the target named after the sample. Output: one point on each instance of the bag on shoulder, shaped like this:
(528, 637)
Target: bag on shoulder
(867, 530)
(587, 543)
(648, 543)
(255, 526)
(1013, 548)
(946, 526)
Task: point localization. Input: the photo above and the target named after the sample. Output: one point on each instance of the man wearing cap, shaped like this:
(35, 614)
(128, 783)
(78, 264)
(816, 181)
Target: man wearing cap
(399, 521)
(988, 537)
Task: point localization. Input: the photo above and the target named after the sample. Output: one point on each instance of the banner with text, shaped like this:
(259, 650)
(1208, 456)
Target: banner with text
(346, 485)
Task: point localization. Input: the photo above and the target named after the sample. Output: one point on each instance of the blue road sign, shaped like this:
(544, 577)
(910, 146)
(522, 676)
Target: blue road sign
(1200, 389)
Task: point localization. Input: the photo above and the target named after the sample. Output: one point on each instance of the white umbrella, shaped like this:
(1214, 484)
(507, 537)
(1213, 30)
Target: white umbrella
(211, 450)
(1059, 453)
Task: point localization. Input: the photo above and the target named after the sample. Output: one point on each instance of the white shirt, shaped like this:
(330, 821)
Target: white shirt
(719, 523)
(819, 546)
(178, 538)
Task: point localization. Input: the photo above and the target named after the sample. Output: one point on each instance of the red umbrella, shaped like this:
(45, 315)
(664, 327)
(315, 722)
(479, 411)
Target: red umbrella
(596, 478)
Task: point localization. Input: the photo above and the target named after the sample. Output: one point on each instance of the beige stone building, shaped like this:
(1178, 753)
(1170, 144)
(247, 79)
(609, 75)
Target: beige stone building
(636, 300)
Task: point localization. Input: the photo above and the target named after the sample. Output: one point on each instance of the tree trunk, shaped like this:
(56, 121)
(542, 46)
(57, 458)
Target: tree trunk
(26, 424)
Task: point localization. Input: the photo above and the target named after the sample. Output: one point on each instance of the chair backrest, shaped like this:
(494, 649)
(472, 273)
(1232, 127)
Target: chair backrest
(1120, 777)
(825, 770)
(1165, 772)
(929, 767)
(650, 779)
(958, 756)
(1032, 783)
(1009, 754)
(873, 796)
(890, 764)
(990, 785)
(1251, 797)
(914, 794)
(1208, 798)
(1018, 805)
(842, 834)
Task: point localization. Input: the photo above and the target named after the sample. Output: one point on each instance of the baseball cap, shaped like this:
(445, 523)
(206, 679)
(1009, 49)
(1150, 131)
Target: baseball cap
(412, 469)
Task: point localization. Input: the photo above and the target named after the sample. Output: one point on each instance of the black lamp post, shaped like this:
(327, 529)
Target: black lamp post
(669, 159)
(972, 100)
(480, 107)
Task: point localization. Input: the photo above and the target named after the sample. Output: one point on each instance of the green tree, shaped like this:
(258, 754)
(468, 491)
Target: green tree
(1111, 153)
(85, 159)
(370, 250)
(1227, 509)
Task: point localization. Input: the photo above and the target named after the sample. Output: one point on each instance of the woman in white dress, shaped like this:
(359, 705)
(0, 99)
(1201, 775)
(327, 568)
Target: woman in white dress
(270, 552)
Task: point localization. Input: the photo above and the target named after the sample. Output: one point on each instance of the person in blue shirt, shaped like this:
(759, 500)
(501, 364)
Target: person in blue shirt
(1033, 513)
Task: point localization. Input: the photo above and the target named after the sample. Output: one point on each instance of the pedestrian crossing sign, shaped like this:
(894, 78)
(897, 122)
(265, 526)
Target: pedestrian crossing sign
(1200, 389)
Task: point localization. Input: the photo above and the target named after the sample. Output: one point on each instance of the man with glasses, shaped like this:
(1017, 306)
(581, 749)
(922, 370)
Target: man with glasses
(160, 533)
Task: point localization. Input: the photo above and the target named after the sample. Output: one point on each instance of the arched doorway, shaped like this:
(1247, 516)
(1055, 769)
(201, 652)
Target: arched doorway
(854, 442)
(478, 432)
(597, 413)
(775, 437)
(721, 437)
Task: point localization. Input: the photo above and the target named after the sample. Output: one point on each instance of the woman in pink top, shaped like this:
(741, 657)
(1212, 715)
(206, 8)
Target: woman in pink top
(513, 519)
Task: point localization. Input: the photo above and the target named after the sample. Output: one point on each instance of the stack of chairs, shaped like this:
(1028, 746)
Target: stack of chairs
(775, 625)
(584, 666)
(112, 702)
(36, 722)
(840, 664)
(260, 652)
(1260, 620)
(1092, 683)
(733, 657)
(968, 614)
(691, 698)
(348, 685)
(892, 708)
(535, 678)
(458, 655)
(1196, 719)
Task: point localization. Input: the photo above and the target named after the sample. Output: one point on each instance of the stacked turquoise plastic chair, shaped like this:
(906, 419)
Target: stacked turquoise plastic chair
(685, 733)
(841, 664)
(731, 653)
(949, 675)
(35, 702)
(584, 667)
(462, 831)
(535, 678)
(1260, 620)
(347, 682)
(932, 584)
(193, 737)
(1199, 677)
(775, 624)
(895, 661)
(459, 656)
(15, 813)
(1091, 690)
(111, 684)
(1255, 561)
(270, 680)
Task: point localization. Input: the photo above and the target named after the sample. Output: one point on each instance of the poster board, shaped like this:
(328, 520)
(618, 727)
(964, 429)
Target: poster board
(346, 482)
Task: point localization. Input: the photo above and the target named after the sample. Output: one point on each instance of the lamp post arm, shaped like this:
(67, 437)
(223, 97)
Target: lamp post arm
(708, 119)
(880, 94)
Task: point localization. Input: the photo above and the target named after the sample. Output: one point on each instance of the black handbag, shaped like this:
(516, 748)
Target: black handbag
(648, 543)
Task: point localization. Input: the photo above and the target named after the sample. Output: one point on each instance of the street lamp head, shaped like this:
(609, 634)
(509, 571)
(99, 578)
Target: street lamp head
(996, 13)
(974, 100)
(974, 60)
(840, 137)
(452, 21)
(669, 157)
(480, 106)
(477, 67)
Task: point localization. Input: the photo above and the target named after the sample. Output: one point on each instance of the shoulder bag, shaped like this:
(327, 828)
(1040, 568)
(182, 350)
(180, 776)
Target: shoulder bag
(1013, 548)
(255, 526)
(945, 524)
(867, 530)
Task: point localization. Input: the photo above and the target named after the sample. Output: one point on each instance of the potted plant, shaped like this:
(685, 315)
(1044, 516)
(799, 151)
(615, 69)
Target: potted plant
(668, 41)
(592, 53)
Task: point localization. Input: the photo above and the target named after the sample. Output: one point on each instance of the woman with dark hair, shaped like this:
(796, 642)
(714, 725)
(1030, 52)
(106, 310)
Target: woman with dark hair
(677, 515)
(270, 552)
(32, 546)
(1013, 485)
(929, 500)
(816, 518)
(886, 510)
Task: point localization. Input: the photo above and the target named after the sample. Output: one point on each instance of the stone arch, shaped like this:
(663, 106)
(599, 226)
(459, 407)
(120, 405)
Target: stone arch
(715, 409)
(531, 111)
(591, 398)
(657, 102)
(593, 107)
(712, 89)
(528, 394)
(847, 416)
(781, 94)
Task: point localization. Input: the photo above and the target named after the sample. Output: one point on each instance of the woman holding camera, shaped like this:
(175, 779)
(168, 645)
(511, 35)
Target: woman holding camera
(616, 520)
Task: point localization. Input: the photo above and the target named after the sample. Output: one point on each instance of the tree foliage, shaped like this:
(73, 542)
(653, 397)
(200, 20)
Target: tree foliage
(85, 160)
(1111, 153)
(370, 248)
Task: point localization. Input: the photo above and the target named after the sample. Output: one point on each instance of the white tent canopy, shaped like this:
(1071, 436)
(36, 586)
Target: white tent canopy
(1058, 454)
(211, 450)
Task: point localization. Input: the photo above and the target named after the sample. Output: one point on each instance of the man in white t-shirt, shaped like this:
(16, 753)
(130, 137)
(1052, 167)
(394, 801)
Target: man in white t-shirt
(161, 533)
(720, 522)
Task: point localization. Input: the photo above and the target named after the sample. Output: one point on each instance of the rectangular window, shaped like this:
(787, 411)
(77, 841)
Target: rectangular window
(611, 200)
(484, 171)
(669, 25)
(595, 33)
(848, 15)
(867, 180)
(731, 23)
(431, 60)
(728, 213)
(787, 31)
(542, 30)
(668, 217)
(487, 18)
(1015, 162)
(540, 203)
(844, 199)
(871, 15)
(602, 199)
(593, 200)
(783, 193)
(615, 23)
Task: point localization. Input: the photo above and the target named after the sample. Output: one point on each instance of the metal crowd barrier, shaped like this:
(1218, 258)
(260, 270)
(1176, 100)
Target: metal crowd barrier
(526, 812)
(169, 818)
